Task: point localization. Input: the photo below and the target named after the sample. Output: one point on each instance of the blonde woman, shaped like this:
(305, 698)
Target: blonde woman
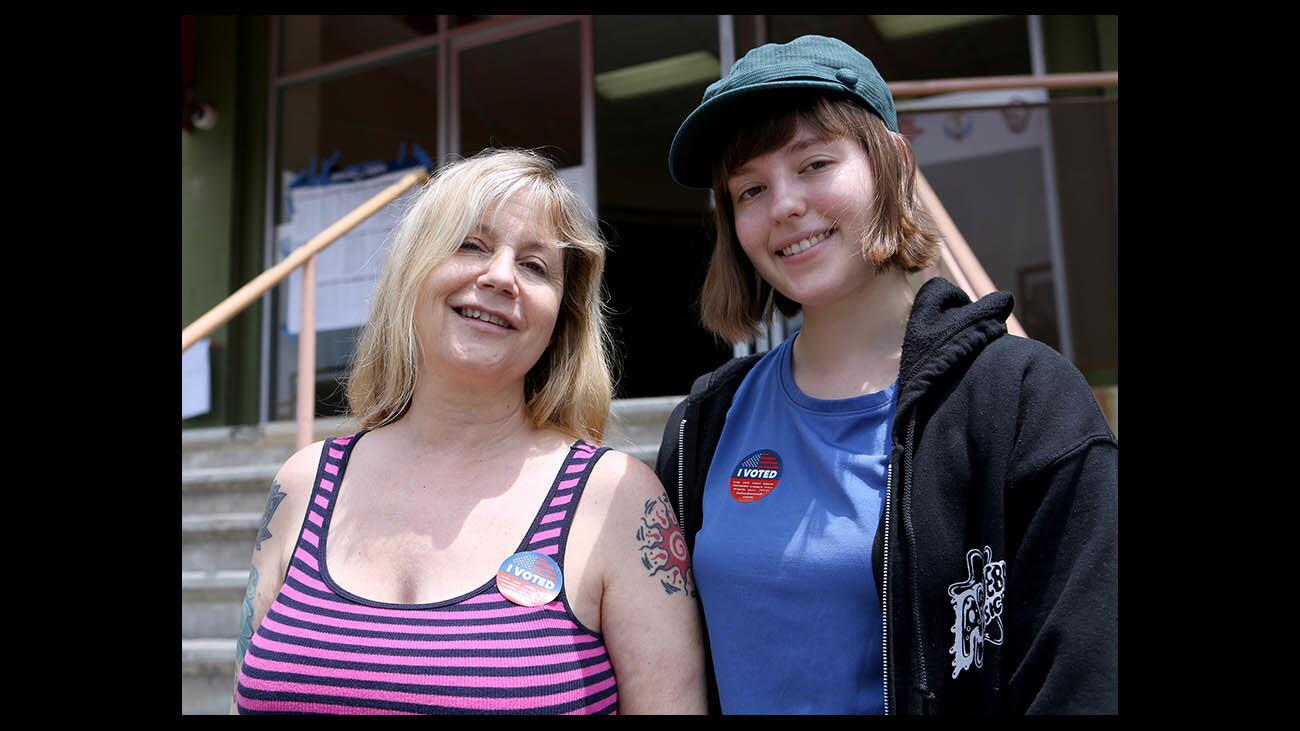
(472, 549)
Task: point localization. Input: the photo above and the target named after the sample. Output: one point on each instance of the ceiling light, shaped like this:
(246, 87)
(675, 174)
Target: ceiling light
(896, 27)
(665, 73)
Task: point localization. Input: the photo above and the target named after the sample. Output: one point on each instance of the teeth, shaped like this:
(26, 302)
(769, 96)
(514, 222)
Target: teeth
(806, 244)
(479, 315)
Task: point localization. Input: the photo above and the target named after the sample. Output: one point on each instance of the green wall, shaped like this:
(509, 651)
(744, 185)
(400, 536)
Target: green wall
(222, 191)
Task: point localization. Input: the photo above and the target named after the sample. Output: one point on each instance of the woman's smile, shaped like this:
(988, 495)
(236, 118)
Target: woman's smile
(484, 320)
(794, 253)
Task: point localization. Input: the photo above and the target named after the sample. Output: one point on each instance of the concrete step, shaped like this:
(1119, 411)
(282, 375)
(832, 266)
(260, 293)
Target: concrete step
(218, 541)
(269, 443)
(221, 476)
(211, 602)
(646, 454)
(634, 426)
(226, 489)
(207, 676)
(234, 456)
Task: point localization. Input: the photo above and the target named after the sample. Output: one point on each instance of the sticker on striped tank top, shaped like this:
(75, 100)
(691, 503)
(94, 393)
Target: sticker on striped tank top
(529, 578)
(756, 476)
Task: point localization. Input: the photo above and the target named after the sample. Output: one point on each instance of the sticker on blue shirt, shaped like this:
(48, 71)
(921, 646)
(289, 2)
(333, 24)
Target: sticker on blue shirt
(529, 578)
(756, 476)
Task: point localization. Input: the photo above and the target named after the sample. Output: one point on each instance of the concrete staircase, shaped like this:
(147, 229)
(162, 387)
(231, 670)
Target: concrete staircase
(226, 473)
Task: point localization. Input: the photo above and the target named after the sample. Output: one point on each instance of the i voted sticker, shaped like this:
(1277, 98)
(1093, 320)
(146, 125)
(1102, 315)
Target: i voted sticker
(755, 476)
(529, 578)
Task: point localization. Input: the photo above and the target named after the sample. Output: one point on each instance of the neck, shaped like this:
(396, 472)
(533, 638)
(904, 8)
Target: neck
(853, 345)
(465, 419)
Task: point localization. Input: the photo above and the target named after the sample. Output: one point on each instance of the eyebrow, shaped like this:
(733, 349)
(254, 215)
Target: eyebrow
(798, 145)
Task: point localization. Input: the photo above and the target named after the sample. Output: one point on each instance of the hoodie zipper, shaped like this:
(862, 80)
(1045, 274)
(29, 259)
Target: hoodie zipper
(681, 476)
(910, 535)
(884, 593)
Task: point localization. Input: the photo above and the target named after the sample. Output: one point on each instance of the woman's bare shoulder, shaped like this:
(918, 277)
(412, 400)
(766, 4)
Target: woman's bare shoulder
(621, 479)
(296, 474)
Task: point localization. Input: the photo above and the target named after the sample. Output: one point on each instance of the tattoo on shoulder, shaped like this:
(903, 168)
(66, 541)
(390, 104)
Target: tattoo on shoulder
(246, 618)
(272, 502)
(663, 548)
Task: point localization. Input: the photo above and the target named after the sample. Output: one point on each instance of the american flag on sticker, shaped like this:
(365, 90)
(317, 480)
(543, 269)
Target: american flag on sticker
(762, 461)
(538, 563)
(755, 476)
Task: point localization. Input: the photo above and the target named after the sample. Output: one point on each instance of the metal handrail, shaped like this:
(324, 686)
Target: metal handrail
(304, 256)
(1090, 80)
(957, 261)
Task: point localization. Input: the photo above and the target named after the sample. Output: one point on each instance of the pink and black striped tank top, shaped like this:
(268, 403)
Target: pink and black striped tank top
(323, 650)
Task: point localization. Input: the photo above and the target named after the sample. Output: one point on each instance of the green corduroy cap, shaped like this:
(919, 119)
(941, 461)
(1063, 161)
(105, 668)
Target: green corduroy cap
(807, 62)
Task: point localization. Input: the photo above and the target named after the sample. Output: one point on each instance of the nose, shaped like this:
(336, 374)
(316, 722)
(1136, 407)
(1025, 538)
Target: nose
(787, 202)
(499, 274)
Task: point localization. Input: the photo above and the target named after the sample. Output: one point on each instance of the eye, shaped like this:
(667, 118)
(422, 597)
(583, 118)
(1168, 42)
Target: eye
(817, 165)
(536, 267)
(471, 245)
(749, 192)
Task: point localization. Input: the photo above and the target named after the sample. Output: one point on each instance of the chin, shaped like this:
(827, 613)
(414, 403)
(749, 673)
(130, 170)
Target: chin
(806, 296)
(485, 365)
(472, 362)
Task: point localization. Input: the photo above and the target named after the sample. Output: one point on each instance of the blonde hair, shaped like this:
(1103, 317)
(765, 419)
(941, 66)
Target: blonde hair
(898, 231)
(569, 388)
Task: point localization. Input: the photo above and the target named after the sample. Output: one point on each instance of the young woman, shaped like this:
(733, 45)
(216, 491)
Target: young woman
(472, 549)
(901, 508)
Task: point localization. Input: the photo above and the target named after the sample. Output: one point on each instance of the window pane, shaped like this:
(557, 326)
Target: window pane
(635, 124)
(746, 30)
(313, 40)
(364, 116)
(524, 92)
(651, 71)
(368, 117)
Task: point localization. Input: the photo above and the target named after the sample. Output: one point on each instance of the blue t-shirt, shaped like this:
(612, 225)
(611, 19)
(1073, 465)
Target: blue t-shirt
(783, 559)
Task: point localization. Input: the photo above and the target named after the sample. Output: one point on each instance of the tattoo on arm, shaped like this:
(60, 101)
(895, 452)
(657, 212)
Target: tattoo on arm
(663, 548)
(272, 502)
(246, 619)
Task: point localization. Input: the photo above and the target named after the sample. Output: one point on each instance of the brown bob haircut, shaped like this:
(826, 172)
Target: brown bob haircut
(898, 232)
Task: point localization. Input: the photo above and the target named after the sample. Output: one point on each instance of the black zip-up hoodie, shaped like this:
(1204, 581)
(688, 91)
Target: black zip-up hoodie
(996, 552)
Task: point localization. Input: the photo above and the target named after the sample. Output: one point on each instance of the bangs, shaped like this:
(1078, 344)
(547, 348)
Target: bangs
(557, 208)
(827, 119)
(491, 196)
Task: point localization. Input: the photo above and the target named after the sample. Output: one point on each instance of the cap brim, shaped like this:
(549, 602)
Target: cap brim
(701, 137)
